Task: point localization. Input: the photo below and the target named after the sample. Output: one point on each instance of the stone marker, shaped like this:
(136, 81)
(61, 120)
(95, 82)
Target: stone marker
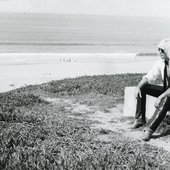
(130, 103)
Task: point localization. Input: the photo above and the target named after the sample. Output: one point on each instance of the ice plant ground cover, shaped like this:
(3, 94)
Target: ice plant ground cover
(40, 131)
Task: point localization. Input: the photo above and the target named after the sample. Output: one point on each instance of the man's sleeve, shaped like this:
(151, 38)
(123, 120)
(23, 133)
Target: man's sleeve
(154, 73)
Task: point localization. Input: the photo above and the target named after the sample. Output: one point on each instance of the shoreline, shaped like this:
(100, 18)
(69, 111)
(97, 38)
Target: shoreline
(21, 69)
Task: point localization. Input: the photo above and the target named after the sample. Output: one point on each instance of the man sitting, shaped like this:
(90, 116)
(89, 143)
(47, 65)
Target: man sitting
(161, 70)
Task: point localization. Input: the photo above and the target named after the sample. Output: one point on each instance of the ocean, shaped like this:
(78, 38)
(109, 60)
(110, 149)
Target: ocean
(49, 33)
(37, 48)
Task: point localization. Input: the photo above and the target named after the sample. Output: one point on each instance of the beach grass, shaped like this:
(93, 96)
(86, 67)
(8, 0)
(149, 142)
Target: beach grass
(38, 134)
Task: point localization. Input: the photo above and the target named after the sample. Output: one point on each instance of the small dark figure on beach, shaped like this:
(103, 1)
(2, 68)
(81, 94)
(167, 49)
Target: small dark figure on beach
(161, 69)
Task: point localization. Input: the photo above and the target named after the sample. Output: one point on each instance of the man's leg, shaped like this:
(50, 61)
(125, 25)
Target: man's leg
(149, 89)
(157, 118)
(140, 112)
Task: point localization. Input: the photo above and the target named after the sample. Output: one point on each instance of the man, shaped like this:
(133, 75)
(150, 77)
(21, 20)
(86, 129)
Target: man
(161, 69)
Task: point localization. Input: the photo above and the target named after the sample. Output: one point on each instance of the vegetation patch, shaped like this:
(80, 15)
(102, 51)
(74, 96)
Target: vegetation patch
(103, 84)
(36, 134)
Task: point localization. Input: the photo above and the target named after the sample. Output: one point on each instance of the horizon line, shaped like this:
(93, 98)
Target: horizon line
(82, 14)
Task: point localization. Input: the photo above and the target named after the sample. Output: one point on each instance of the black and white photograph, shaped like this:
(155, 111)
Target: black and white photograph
(84, 84)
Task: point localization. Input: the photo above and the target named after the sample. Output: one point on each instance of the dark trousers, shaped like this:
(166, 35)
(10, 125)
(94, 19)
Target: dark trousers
(160, 112)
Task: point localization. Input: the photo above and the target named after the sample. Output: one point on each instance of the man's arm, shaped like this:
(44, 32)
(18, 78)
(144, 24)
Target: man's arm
(143, 82)
(165, 94)
(162, 96)
(152, 75)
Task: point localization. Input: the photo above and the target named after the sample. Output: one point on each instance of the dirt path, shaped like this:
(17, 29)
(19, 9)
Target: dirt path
(111, 120)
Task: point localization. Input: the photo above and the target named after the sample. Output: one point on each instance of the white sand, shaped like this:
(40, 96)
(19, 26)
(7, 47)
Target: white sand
(20, 69)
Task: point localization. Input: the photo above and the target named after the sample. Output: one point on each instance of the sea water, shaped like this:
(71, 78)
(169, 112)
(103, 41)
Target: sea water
(81, 33)
(37, 48)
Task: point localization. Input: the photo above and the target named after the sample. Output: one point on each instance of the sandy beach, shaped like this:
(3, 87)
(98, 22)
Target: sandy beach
(21, 69)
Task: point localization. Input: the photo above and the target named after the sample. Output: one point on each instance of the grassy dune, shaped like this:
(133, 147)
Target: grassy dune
(36, 134)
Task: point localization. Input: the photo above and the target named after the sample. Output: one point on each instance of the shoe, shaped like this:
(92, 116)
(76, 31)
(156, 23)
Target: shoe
(138, 124)
(147, 134)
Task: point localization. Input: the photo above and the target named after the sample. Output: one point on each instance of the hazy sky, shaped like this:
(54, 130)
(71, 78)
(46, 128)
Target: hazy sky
(160, 8)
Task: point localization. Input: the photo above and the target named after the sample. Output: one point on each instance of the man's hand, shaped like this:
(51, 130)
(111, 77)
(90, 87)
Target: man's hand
(157, 102)
(138, 92)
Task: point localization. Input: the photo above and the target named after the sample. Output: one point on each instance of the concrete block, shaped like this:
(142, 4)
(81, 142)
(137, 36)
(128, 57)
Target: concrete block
(130, 103)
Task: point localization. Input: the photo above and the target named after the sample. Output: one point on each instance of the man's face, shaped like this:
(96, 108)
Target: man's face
(163, 54)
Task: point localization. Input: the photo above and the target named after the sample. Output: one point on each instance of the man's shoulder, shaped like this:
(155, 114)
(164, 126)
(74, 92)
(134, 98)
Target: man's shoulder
(159, 62)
